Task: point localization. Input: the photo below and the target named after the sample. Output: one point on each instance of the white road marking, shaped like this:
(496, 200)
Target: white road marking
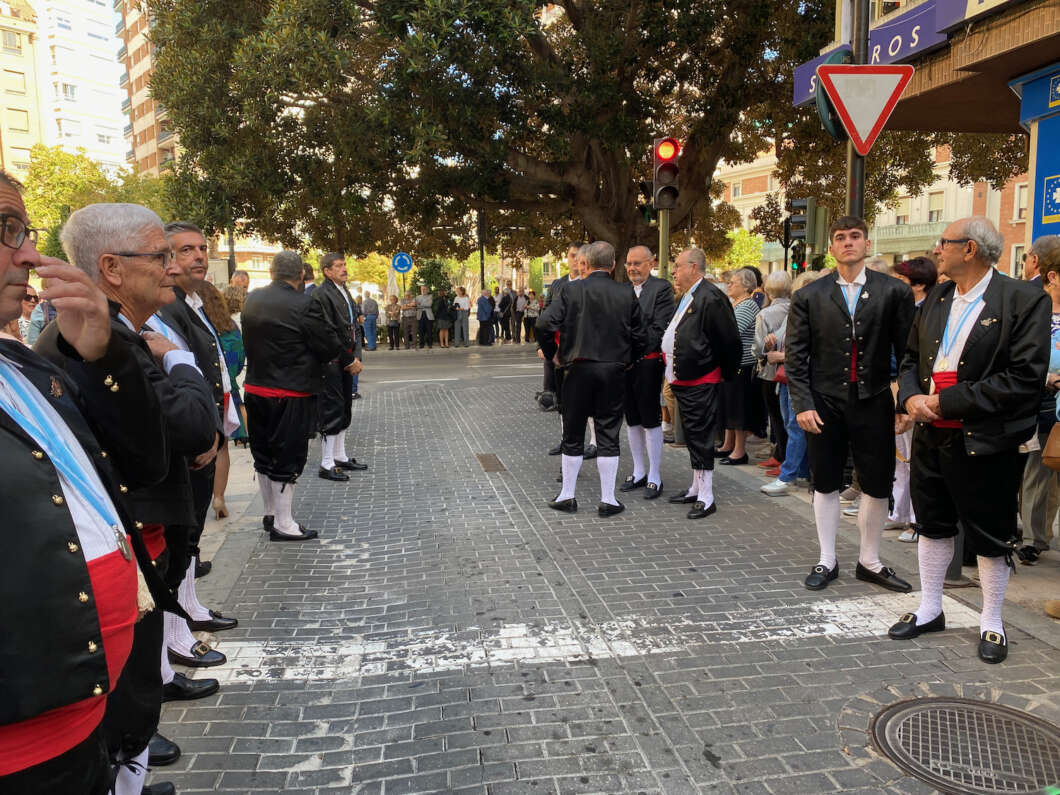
(418, 381)
(525, 375)
(432, 650)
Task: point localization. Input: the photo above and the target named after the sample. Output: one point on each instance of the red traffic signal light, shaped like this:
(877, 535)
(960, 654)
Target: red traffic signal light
(667, 149)
(665, 173)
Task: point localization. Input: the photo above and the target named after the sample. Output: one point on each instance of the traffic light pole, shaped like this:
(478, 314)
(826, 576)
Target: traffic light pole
(664, 244)
(481, 227)
(856, 163)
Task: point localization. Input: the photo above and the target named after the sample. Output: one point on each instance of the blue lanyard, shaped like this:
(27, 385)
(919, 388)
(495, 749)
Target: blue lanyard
(947, 341)
(349, 304)
(166, 332)
(686, 299)
(46, 432)
(851, 305)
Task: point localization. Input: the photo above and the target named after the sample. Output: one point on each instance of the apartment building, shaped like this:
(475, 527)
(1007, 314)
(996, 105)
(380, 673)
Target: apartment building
(152, 144)
(20, 116)
(79, 94)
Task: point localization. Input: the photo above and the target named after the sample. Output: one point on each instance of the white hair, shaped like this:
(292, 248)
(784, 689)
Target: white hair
(777, 284)
(100, 229)
(988, 240)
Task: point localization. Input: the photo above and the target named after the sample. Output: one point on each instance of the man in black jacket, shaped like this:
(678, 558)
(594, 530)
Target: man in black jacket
(971, 379)
(137, 283)
(287, 341)
(702, 347)
(644, 379)
(69, 448)
(843, 331)
(600, 335)
(339, 310)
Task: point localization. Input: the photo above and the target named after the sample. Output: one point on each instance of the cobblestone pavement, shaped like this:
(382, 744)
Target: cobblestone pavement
(450, 633)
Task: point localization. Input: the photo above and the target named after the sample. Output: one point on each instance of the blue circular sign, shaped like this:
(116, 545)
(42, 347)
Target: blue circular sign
(401, 262)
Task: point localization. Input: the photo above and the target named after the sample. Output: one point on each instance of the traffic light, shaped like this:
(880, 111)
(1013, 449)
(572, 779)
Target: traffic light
(665, 173)
(798, 256)
(803, 220)
(647, 210)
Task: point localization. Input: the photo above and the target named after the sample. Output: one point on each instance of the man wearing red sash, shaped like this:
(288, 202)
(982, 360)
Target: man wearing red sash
(971, 378)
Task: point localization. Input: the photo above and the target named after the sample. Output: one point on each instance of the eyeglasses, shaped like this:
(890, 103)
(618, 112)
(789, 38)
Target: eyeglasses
(942, 241)
(163, 258)
(14, 231)
(28, 297)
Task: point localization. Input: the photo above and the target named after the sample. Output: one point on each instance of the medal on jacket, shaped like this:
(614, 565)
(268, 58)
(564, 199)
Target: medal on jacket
(123, 542)
(942, 364)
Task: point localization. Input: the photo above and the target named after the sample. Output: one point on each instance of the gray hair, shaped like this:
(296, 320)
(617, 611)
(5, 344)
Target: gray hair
(988, 240)
(176, 227)
(100, 229)
(1047, 249)
(287, 266)
(878, 264)
(583, 250)
(777, 284)
(601, 255)
(746, 277)
(697, 258)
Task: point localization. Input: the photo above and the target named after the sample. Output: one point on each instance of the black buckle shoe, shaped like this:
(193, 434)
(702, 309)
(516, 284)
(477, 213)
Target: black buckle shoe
(993, 647)
(184, 689)
(907, 628)
(702, 511)
(202, 656)
(681, 499)
(885, 578)
(162, 752)
(215, 623)
(653, 491)
(332, 474)
(352, 465)
(304, 534)
(629, 484)
(567, 506)
(607, 509)
(819, 577)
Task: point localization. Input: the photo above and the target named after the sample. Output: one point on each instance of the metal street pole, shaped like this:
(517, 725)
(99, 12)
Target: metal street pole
(855, 162)
(481, 225)
(664, 244)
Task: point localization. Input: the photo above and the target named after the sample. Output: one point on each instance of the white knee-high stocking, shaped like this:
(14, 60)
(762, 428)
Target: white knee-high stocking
(872, 513)
(705, 494)
(327, 451)
(608, 469)
(653, 440)
(993, 580)
(178, 635)
(826, 516)
(571, 464)
(130, 778)
(283, 501)
(933, 557)
(636, 449)
(187, 598)
(265, 487)
(338, 452)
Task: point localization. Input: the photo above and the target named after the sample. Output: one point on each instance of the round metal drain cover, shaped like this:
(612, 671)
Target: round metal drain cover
(970, 747)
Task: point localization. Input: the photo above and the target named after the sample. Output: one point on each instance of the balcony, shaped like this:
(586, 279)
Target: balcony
(167, 164)
(164, 135)
(122, 52)
(161, 111)
(126, 105)
(123, 81)
(120, 26)
(128, 130)
(906, 238)
(130, 156)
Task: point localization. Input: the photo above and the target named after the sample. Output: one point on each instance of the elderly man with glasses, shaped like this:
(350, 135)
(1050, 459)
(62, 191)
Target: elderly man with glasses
(971, 379)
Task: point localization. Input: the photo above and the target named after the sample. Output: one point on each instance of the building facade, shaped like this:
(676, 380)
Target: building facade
(20, 119)
(151, 142)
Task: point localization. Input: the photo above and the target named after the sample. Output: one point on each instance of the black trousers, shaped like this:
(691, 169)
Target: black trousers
(528, 328)
(643, 389)
(505, 322)
(776, 419)
(83, 770)
(866, 427)
(592, 389)
(699, 419)
(426, 328)
(393, 336)
(202, 499)
(517, 326)
(279, 431)
(135, 702)
(335, 401)
(951, 489)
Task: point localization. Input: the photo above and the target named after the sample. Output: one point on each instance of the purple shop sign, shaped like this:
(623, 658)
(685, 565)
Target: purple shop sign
(952, 13)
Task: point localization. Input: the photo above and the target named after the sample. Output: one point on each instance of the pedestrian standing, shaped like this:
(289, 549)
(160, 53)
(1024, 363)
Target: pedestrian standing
(462, 310)
(443, 317)
(408, 320)
(842, 333)
(370, 310)
(484, 315)
(518, 312)
(393, 323)
(741, 402)
(504, 314)
(533, 309)
(971, 379)
(425, 317)
(777, 288)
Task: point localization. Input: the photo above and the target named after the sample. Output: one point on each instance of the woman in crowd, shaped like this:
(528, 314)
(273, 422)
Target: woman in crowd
(462, 311)
(770, 320)
(393, 323)
(741, 403)
(533, 309)
(443, 316)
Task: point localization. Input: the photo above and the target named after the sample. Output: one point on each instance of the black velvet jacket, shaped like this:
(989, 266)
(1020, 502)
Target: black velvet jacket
(1001, 369)
(598, 320)
(821, 336)
(656, 310)
(186, 322)
(336, 313)
(46, 661)
(706, 337)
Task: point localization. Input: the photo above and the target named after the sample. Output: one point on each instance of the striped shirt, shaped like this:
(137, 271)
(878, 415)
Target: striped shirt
(746, 312)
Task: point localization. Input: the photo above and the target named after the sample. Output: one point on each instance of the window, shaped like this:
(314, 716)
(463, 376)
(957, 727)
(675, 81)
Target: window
(1019, 211)
(12, 41)
(772, 183)
(105, 139)
(70, 92)
(901, 213)
(1017, 262)
(936, 204)
(14, 82)
(18, 120)
(63, 23)
(736, 192)
(20, 158)
(69, 128)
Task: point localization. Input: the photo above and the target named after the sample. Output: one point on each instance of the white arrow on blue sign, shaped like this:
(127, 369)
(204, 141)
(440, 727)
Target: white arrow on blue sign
(401, 262)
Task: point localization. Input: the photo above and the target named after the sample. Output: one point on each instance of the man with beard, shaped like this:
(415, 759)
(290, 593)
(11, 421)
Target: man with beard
(644, 379)
(334, 303)
(137, 282)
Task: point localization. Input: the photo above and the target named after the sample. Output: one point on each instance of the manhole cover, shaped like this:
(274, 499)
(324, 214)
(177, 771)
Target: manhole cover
(970, 747)
(490, 462)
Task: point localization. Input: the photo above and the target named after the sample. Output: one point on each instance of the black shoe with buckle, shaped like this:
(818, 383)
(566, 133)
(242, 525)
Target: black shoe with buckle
(653, 491)
(681, 499)
(215, 623)
(701, 510)
(907, 628)
(1028, 555)
(202, 656)
(607, 509)
(993, 648)
(351, 465)
(567, 506)
(184, 689)
(885, 578)
(304, 534)
(332, 474)
(631, 484)
(820, 576)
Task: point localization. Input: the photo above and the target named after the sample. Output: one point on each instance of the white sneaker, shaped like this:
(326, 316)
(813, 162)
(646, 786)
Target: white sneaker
(909, 536)
(849, 495)
(851, 510)
(777, 488)
(896, 525)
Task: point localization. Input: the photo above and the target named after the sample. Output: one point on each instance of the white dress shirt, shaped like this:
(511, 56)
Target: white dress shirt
(671, 331)
(958, 306)
(852, 289)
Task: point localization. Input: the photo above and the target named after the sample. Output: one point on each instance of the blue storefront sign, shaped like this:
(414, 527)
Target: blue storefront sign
(1039, 94)
(952, 13)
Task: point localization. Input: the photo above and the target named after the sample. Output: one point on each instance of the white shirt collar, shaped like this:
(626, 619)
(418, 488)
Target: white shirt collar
(193, 300)
(859, 279)
(976, 292)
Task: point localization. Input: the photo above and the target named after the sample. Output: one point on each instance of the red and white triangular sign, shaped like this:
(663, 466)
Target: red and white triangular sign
(864, 97)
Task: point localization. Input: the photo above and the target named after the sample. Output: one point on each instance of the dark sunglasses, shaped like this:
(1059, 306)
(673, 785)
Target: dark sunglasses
(33, 298)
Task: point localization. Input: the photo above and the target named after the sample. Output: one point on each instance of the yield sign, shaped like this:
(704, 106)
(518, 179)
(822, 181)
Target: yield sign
(864, 97)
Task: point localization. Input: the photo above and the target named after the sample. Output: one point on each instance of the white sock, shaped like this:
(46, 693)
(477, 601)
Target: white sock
(327, 451)
(607, 465)
(130, 779)
(635, 433)
(168, 674)
(667, 426)
(993, 580)
(934, 556)
(187, 598)
(338, 451)
(693, 490)
(265, 487)
(872, 513)
(571, 465)
(592, 432)
(654, 443)
(706, 486)
(178, 636)
(284, 500)
(826, 516)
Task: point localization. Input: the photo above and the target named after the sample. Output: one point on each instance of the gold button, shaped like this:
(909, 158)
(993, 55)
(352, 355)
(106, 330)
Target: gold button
(108, 381)
(123, 488)
(97, 690)
(139, 525)
(217, 385)
(72, 546)
(92, 646)
(103, 453)
(37, 454)
(114, 388)
(82, 597)
(57, 499)
(154, 563)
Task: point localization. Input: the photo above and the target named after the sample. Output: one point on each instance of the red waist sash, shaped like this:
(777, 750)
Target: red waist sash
(272, 392)
(713, 377)
(944, 380)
